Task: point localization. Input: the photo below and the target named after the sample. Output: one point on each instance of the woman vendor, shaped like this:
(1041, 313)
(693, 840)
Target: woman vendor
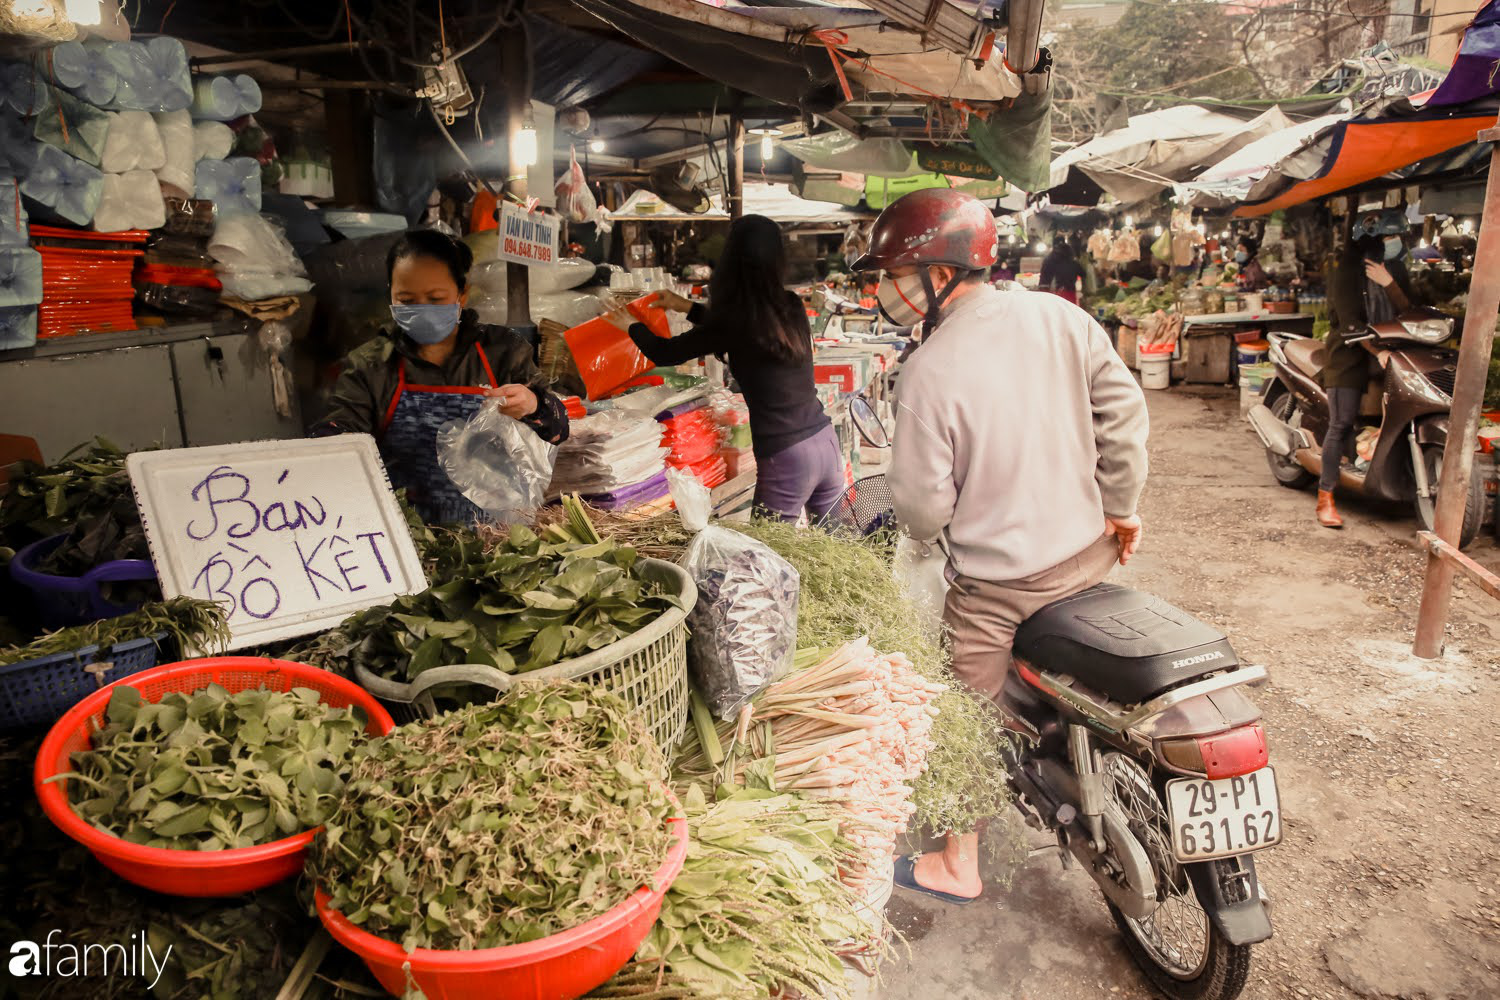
(1252, 277)
(762, 329)
(437, 364)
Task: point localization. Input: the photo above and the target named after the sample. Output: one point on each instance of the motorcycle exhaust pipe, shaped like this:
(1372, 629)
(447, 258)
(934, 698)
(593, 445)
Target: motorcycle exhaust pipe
(1279, 437)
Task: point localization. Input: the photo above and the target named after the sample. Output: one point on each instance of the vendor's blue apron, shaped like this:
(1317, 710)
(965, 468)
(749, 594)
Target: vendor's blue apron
(408, 442)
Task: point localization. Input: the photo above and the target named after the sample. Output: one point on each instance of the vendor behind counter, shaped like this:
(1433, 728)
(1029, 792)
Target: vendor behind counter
(436, 364)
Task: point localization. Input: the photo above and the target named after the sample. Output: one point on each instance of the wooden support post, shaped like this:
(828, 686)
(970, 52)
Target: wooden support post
(1463, 420)
(736, 167)
(514, 58)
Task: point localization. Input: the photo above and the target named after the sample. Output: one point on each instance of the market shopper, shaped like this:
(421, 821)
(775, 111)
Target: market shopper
(1061, 271)
(1020, 444)
(1368, 284)
(1252, 277)
(437, 364)
(760, 328)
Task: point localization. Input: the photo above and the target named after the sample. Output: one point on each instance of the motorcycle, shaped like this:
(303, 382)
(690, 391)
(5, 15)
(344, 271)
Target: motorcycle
(1412, 402)
(1143, 757)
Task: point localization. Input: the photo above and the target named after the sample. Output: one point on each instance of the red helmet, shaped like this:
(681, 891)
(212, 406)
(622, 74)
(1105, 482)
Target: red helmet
(934, 226)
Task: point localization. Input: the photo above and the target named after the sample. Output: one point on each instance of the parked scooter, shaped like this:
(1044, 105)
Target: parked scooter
(1414, 402)
(1141, 754)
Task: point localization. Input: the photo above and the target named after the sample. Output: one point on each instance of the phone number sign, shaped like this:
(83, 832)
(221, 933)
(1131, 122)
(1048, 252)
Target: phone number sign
(527, 237)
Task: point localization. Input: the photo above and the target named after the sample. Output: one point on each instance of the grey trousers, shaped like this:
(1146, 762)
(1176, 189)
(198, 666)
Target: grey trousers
(1343, 415)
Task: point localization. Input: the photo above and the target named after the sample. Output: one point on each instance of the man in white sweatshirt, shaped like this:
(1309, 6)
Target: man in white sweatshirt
(1020, 443)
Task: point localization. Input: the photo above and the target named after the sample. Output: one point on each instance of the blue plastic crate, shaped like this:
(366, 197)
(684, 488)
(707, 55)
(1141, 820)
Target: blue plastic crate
(37, 692)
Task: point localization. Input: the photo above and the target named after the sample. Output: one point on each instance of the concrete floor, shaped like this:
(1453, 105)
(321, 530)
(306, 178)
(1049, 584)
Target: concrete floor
(1386, 884)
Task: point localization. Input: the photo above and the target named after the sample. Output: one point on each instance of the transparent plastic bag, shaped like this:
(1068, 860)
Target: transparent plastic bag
(920, 568)
(501, 465)
(744, 626)
(574, 199)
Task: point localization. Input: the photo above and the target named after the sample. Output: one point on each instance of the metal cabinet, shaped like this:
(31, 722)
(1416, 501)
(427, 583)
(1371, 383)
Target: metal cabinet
(225, 392)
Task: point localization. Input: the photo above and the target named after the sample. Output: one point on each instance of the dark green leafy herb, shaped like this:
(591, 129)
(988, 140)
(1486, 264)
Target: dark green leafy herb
(498, 824)
(194, 625)
(210, 770)
(50, 500)
(523, 605)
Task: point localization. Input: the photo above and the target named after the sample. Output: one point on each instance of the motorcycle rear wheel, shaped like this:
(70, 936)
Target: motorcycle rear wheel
(1177, 947)
(1288, 471)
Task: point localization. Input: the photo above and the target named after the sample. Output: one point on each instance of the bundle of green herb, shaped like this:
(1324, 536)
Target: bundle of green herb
(523, 605)
(758, 908)
(212, 770)
(50, 500)
(190, 623)
(498, 824)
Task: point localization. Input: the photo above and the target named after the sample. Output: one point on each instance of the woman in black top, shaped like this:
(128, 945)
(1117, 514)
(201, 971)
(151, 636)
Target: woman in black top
(761, 330)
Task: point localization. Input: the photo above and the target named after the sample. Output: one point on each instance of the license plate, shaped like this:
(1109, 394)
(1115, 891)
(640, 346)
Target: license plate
(1218, 819)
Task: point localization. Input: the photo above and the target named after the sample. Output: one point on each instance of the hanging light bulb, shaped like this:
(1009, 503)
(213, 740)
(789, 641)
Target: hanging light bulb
(767, 147)
(1156, 231)
(525, 147)
(85, 12)
(1041, 247)
(597, 146)
(1202, 229)
(1129, 221)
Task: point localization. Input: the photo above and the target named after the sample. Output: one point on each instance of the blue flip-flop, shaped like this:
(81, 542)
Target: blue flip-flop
(906, 878)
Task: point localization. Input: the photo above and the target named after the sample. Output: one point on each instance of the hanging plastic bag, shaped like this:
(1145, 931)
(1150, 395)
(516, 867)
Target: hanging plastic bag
(920, 568)
(501, 465)
(574, 199)
(744, 626)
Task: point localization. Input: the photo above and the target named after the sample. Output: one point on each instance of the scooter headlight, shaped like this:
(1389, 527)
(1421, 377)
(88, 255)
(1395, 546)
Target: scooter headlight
(1428, 331)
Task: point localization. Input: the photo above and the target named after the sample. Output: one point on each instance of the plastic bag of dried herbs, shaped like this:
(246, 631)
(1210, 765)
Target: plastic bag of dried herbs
(535, 814)
(744, 626)
(208, 770)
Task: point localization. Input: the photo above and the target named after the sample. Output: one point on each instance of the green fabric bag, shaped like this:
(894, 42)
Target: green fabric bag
(1018, 141)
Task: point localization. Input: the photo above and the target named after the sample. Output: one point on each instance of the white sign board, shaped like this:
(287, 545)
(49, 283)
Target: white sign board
(527, 237)
(291, 537)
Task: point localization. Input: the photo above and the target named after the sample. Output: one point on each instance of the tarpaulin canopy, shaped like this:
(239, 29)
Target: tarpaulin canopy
(774, 201)
(1473, 74)
(1229, 181)
(1156, 149)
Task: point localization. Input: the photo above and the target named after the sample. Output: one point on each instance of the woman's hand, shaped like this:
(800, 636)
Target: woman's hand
(673, 301)
(516, 401)
(621, 317)
(1377, 273)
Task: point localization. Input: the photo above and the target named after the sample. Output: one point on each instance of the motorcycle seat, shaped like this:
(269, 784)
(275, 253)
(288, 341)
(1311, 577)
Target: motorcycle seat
(1124, 644)
(1307, 356)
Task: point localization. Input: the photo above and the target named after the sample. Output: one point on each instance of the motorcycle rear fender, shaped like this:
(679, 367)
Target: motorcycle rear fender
(1242, 923)
(1433, 430)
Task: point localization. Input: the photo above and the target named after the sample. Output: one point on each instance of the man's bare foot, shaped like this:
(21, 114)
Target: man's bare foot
(950, 871)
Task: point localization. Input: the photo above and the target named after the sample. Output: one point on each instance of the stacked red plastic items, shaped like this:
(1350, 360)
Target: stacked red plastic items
(694, 439)
(574, 406)
(86, 280)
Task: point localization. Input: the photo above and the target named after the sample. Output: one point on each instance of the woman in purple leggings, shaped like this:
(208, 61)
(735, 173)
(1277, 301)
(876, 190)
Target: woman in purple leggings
(760, 329)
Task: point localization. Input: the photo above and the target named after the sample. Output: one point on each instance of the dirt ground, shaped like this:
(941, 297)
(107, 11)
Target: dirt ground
(1388, 881)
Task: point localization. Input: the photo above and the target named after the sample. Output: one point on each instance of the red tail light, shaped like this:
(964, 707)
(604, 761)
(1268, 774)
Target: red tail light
(1225, 755)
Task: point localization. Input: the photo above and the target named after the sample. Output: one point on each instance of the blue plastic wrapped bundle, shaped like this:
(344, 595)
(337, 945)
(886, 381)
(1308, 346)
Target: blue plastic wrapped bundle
(84, 70)
(233, 185)
(63, 186)
(21, 89)
(20, 277)
(225, 98)
(17, 147)
(13, 229)
(77, 128)
(154, 75)
(17, 327)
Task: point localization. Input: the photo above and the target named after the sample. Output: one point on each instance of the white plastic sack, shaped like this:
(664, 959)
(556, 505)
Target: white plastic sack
(130, 200)
(225, 98)
(920, 569)
(233, 185)
(567, 308)
(501, 465)
(212, 140)
(570, 272)
(132, 143)
(66, 186)
(251, 244)
(17, 327)
(255, 287)
(179, 155)
(20, 277)
(744, 626)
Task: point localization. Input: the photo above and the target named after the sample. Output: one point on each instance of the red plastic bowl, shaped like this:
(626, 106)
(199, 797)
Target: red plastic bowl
(191, 873)
(557, 967)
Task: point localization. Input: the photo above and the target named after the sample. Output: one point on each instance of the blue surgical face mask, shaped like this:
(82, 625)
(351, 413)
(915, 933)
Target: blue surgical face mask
(1241, 257)
(1394, 247)
(426, 324)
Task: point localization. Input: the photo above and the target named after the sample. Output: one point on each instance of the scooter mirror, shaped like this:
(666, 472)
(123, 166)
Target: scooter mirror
(868, 423)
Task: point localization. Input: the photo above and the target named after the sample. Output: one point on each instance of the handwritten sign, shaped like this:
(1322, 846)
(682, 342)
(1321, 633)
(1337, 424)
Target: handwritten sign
(955, 161)
(291, 537)
(527, 237)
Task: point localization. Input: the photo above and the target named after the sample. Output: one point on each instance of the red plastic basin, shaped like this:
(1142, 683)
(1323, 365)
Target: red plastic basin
(558, 967)
(191, 873)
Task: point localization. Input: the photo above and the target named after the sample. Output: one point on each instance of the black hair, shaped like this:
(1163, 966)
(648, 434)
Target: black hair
(1250, 243)
(749, 284)
(434, 245)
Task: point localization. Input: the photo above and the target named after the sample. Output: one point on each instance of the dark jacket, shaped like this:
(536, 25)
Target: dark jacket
(781, 396)
(362, 395)
(1354, 302)
(1060, 271)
